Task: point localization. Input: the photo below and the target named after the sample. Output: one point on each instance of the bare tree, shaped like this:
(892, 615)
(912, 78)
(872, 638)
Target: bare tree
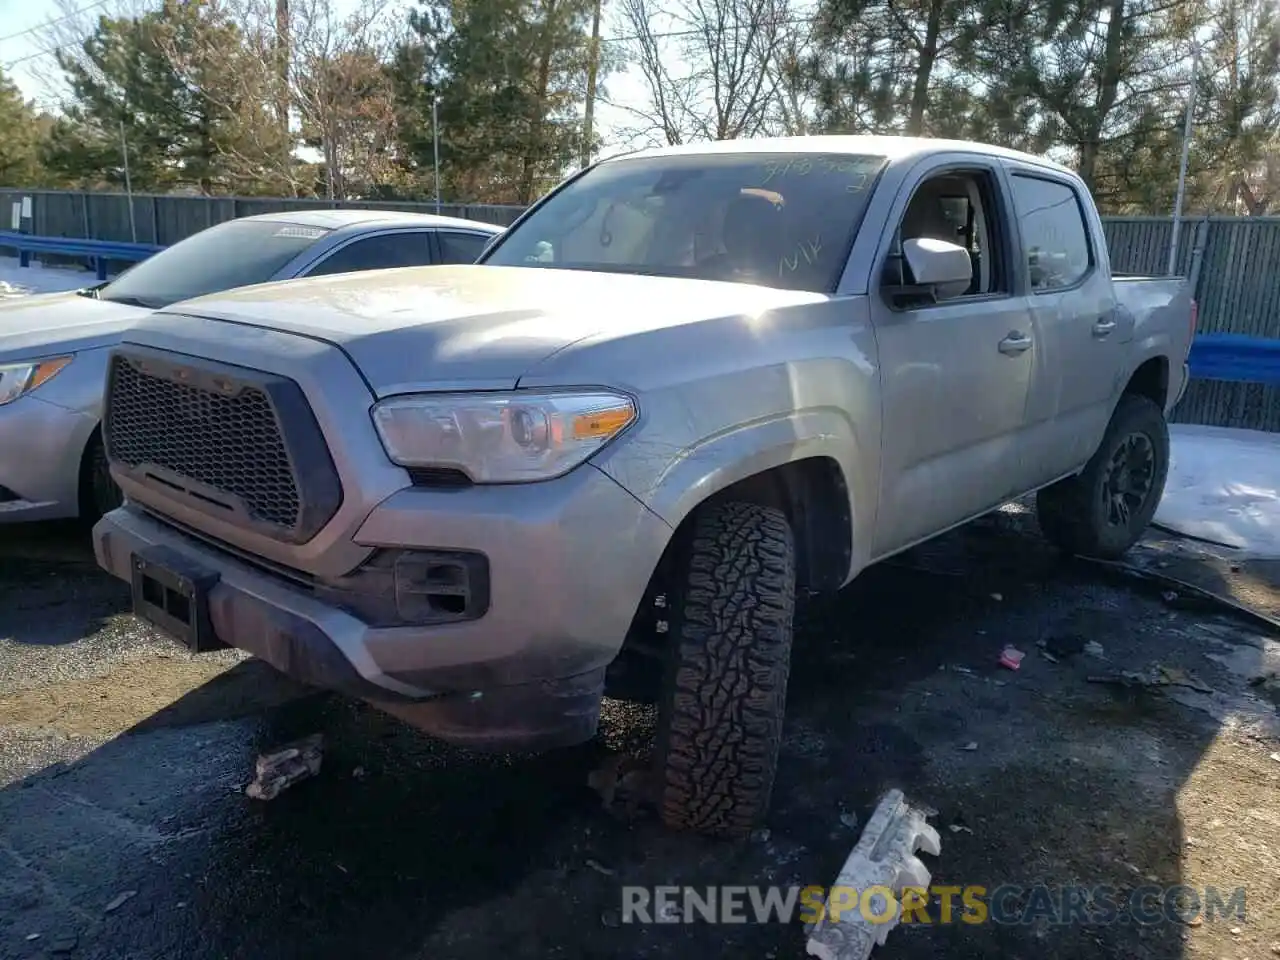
(343, 97)
(321, 70)
(711, 68)
(241, 81)
(792, 106)
(63, 34)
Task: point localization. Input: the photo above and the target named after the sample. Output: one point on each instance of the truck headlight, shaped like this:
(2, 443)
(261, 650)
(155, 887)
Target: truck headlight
(19, 378)
(501, 437)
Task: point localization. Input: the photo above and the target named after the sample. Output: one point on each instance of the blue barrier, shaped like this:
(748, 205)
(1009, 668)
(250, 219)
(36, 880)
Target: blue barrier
(1235, 357)
(98, 252)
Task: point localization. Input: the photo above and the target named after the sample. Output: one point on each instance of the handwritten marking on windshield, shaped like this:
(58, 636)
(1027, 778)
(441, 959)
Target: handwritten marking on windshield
(853, 168)
(800, 166)
(806, 250)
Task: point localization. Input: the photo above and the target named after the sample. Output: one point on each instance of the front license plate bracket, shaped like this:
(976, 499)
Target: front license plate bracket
(172, 592)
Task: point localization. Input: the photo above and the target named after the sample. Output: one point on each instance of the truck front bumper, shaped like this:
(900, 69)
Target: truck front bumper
(567, 560)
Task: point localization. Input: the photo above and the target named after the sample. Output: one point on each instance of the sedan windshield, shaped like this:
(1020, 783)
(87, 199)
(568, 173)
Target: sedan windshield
(776, 219)
(232, 254)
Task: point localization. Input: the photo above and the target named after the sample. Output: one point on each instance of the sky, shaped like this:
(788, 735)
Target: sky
(24, 18)
(26, 59)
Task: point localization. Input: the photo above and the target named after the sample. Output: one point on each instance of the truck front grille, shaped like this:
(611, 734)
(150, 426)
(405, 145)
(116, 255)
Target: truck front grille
(215, 437)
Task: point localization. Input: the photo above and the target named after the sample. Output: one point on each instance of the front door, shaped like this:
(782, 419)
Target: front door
(954, 374)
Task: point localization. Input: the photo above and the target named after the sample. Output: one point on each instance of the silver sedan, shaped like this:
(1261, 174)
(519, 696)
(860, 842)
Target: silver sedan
(54, 347)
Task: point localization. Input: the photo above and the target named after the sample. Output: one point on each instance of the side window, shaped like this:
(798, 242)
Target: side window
(460, 247)
(1055, 238)
(959, 207)
(377, 253)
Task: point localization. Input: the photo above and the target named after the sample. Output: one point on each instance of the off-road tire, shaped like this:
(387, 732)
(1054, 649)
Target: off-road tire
(724, 693)
(1073, 513)
(99, 493)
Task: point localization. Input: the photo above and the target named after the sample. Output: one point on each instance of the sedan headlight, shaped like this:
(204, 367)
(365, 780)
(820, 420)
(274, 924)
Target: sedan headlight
(19, 378)
(501, 437)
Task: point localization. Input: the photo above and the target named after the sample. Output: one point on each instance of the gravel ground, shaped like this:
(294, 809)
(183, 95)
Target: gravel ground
(123, 758)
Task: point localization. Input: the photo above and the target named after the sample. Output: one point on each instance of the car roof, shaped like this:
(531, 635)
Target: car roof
(335, 219)
(893, 148)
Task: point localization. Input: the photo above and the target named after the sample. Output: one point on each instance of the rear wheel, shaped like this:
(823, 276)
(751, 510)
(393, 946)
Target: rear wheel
(724, 697)
(1104, 510)
(99, 493)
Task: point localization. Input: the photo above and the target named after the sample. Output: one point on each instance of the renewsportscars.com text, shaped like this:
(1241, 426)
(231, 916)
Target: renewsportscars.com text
(1007, 904)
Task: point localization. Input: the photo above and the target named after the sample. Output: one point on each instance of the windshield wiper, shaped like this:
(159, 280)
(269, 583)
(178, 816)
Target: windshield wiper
(93, 293)
(132, 302)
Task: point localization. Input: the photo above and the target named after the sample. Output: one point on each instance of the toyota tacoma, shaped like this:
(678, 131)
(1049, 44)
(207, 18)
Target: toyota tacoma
(685, 388)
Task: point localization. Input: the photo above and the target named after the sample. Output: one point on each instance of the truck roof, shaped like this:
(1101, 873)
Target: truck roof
(894, 148)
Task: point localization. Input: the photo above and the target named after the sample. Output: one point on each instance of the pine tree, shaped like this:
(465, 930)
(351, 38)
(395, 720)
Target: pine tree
(164, 84)
(1238, 134)
(510, 76)
(20, 141)
(1091, 75)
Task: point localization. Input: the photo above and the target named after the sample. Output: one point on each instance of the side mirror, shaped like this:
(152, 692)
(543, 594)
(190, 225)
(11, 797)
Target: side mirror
(934, 269)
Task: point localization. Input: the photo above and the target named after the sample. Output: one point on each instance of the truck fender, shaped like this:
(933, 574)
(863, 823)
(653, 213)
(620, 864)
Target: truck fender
(1150, 372)
(715, 463)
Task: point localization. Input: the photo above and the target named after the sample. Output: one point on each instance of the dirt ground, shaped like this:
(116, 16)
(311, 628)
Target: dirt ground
(125, 833)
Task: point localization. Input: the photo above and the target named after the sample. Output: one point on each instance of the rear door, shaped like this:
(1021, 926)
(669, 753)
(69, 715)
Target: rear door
(954, 374)
(1078, 330)
(459, 246)
(399, 248)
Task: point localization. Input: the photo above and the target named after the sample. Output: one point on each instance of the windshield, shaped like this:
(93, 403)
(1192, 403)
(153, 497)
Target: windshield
(232, 254)
(780, 220)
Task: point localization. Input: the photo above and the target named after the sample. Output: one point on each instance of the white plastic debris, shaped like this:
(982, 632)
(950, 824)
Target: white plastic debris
(119, 901)
(281, 769)
(885, 857)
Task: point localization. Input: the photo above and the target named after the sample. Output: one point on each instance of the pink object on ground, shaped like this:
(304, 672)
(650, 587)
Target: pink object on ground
(1011, 657)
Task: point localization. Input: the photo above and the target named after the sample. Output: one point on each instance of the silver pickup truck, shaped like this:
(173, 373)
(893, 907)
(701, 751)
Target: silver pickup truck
(683, 389)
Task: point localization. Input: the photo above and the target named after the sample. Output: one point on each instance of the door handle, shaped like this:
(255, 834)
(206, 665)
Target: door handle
(1015, 343)
(1103, 327)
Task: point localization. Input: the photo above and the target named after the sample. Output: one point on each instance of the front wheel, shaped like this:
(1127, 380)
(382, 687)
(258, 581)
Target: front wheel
(1103, 510)
(724, 696)
(99, 493)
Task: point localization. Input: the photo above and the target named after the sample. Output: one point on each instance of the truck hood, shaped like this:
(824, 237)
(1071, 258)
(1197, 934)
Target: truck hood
(50, 323)
(474, 327)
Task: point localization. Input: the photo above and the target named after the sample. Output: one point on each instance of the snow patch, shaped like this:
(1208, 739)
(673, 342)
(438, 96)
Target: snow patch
(16, 281)
(1224, 486)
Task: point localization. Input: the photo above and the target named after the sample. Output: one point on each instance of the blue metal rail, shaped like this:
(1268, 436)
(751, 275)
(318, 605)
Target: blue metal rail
(98, 252)
(1235, 357)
